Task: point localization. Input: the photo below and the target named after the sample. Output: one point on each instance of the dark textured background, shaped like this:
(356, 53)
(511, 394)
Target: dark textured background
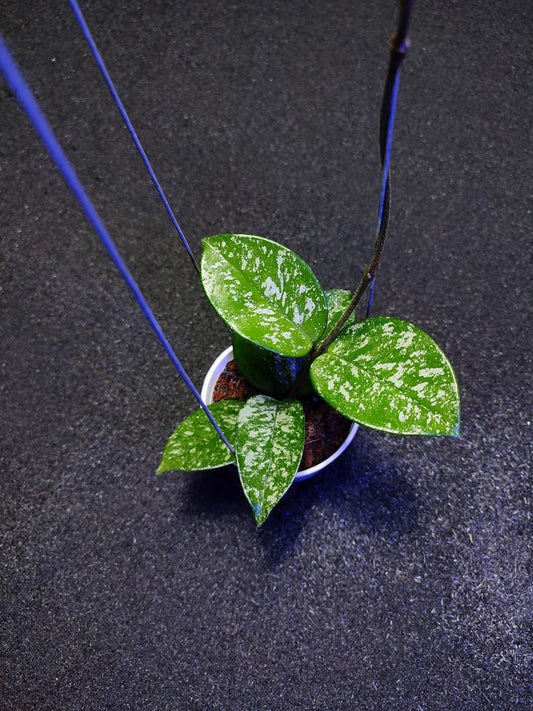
(402, 577)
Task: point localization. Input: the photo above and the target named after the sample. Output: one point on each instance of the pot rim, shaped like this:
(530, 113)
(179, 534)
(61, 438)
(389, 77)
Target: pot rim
(207, 395)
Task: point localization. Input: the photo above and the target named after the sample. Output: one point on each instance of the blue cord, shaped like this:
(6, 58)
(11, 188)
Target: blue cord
(388, 146)
(386, 170)
(87, 34)
(26, 99)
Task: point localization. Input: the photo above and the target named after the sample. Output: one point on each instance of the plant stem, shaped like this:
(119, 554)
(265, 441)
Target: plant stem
(399, 44)
(368, 275)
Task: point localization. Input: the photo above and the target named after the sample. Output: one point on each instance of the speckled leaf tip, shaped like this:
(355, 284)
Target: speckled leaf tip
(264, 292)
(389, 375)
(269, 442)
(195, 444)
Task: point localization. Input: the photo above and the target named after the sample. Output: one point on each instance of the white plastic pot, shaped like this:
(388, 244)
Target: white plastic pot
(207, 395)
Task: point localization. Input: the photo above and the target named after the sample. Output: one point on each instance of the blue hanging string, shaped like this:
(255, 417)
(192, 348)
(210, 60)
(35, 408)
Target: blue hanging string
(388, 144)
(28, 102)
(390, 108)
(87, 34)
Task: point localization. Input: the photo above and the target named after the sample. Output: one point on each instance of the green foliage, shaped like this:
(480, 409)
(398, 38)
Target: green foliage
(338, 301)
(389, 375)
(275, 374)
(380, 372)
(269, 443)
(264, 292)
(195, 443)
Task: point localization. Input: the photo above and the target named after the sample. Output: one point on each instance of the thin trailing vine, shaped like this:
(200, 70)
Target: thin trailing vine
(399, 44)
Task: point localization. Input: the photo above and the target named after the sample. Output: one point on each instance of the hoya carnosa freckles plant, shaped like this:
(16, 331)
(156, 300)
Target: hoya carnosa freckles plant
(383, 373)
(290, 337)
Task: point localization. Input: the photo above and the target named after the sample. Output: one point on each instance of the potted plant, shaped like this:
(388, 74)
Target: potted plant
(293, 341)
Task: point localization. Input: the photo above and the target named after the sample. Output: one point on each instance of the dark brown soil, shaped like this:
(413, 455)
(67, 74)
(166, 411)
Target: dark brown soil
(325, 428)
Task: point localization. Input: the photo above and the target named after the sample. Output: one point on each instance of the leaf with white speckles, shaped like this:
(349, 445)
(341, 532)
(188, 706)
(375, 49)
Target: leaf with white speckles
(338, 301)
(264, 292)
(389, 375)
(195, 444)
(269, 443)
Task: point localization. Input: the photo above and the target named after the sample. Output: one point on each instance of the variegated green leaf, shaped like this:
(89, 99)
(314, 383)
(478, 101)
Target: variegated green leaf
(274, 374)
(269, 443)
(389, 375)
(195, 444)
(264, 292)
(338, 301)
